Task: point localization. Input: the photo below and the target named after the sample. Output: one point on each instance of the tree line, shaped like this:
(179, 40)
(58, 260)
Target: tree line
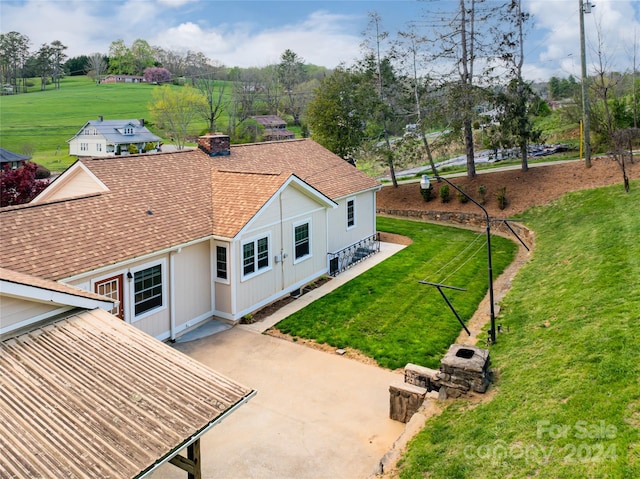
(458, 72)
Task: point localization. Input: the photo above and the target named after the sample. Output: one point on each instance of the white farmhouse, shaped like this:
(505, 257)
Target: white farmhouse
(99, 138)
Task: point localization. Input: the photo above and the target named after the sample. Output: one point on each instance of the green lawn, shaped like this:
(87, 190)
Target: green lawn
(567, 397)
(46, 120)
(388, 315)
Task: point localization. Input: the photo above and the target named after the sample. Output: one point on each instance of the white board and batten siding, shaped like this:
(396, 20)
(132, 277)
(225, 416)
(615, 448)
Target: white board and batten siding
(285, 273)
(187, 290)
(343, 235)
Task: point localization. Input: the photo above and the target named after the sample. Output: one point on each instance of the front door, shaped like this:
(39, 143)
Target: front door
(112, 288)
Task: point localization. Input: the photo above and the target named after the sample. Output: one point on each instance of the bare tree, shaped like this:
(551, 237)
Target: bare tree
(460, 39)
(213, 90)
(372, 44)
(97, 66)
(172, 60)
(57, 59)
(409, 57)
(272, 88)
(516, 98)
(43, 62)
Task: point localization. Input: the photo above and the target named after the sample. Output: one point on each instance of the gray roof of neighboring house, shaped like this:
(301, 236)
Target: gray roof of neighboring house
(109, 129)
(7, 156)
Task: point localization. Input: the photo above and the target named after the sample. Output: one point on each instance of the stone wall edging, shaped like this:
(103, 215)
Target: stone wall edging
(470, 220)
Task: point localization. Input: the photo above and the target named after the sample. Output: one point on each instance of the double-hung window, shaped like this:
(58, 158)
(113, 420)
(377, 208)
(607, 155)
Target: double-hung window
(221, 262)
(147, 289)
(302, 241)
(351, 213)
(255, 256)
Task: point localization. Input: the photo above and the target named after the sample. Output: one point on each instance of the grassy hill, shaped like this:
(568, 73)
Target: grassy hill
(44, 121)
(567, 397)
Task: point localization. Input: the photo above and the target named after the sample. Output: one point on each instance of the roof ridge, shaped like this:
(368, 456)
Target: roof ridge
(25, 206)
(239, 145)
(260, 173)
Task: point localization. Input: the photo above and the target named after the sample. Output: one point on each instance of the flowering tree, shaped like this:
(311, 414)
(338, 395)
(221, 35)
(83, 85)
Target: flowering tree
(20, 185)
(157, 75)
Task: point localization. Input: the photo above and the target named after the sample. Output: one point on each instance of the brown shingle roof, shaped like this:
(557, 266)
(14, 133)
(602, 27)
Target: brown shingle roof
(241, 197)
(63, 238)
(305, 158)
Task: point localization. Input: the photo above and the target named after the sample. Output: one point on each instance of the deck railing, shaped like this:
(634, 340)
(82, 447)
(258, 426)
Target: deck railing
(347, 257)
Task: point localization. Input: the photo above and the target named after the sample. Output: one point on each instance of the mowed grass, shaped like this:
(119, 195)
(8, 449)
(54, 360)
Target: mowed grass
(46, 120)
(386, 314)
(567, 397)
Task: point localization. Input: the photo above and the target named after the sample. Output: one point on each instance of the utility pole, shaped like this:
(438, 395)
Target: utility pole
(585, 7)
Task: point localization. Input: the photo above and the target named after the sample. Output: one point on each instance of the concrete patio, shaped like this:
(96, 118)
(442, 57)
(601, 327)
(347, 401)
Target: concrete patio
(317, 415)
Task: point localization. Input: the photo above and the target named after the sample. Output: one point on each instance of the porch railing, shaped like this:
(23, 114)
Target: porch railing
(347, 257)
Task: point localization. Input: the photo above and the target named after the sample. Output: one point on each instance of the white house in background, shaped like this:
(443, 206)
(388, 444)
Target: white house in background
(181, 237)
(99, 138)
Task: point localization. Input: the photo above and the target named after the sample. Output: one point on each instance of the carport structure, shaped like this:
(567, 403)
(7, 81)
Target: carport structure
(87, 395)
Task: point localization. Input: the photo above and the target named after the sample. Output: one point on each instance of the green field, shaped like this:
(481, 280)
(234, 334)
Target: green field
(386, 314)
(567, 395)
(44, 121)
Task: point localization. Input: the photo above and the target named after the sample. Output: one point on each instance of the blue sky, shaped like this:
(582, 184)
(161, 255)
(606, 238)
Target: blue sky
(255, 33)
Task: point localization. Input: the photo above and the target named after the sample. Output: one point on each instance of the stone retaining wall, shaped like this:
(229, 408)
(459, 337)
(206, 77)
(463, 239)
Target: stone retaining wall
(472, 220)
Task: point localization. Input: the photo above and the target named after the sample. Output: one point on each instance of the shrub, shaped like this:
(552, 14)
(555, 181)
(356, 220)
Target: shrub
(501, 196)
(444, 193)
(482, 192)
(462, 197)
(149, 146)
(42, 173)
(133, 149)
(427, 193)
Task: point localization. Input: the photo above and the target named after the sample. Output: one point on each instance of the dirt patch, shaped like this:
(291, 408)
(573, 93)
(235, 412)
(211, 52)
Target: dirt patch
(536, 187)
(394, 238)
(348, 352)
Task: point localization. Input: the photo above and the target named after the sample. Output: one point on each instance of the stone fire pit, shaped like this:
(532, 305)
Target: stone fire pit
(462, 369)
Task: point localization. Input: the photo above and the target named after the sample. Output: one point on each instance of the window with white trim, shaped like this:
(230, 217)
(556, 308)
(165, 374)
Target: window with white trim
(351, 213)
(128, 130)
(98, 146)
(255, 256)
(84, 146)
(221, 262)
(147, 289)
(302, 240)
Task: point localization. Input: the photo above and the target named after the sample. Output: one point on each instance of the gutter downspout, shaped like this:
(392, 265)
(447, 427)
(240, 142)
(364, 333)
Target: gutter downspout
(172, 294)
(282, 270)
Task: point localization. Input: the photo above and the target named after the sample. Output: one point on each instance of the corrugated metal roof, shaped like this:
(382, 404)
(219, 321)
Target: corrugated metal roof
(91, 396)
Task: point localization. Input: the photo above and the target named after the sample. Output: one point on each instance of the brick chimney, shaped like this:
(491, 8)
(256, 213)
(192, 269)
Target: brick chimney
(215, 144)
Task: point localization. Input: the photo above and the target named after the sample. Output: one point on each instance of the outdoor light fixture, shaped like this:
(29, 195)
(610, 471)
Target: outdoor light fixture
(425, 183)
(129, 275)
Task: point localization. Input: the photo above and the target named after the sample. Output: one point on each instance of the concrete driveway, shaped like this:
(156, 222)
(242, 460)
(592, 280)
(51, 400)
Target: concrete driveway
(316, 415)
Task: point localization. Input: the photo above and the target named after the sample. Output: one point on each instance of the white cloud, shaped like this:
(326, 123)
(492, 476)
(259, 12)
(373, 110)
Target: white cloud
(556, 50)
(318, 39)
(175, 3)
